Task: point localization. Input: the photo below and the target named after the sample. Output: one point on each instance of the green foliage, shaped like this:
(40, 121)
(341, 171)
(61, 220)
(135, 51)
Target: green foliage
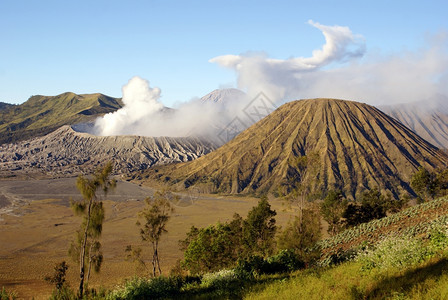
(220, 246)
(7, 295)
(64, 293)
(393, 252)
(259, 229)
(86, 248)
(415, 220)
(142, 288)
(438, 237)
(424, 183)
(332, 209)
(212, 248)
(430, 185)
(428, 280)
(41, 115)
(373, 205)
(285, 261)
(155, 216)
(221, 280)
(300, 236)
(302, 176)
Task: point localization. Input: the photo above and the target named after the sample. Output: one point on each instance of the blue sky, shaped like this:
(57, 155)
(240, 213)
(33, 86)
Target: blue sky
(50, 47)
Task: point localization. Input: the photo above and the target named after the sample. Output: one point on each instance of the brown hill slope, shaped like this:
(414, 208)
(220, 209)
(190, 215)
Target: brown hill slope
(358, 147)
(66, 152)
(429, 119)
(43, 114)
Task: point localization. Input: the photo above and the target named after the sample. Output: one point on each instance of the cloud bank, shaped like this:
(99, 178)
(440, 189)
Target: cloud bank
(341, 68)
(348, 74)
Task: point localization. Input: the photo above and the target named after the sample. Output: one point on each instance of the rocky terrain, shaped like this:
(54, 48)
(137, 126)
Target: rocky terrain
(66, 152)
(357, 147)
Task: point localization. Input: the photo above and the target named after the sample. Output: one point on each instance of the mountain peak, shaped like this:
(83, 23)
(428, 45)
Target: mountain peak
(221, 95)
(358, 148)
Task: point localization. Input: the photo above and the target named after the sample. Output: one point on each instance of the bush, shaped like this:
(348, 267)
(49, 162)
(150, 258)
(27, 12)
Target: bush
(284, 261)
(394, 252)
(64, 293)
(6, 295)
(438, 238)
(142, 288)
(220, 280)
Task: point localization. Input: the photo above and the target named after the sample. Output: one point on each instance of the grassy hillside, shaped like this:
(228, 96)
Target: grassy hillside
(42, 114)
(427, 280)
(408, 259)
(4, 105)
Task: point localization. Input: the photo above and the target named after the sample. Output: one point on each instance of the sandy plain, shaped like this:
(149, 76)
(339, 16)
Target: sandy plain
(37, 226)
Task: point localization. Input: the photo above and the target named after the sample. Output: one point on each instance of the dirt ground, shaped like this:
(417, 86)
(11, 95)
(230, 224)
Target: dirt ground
(37, 226)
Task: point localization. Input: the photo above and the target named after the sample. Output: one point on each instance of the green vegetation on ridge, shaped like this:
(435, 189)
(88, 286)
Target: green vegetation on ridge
(40, 115)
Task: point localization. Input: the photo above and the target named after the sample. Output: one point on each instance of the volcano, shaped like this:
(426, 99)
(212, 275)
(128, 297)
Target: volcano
(355, 147)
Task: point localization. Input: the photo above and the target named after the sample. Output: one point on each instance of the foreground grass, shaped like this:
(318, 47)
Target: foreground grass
(428, 280)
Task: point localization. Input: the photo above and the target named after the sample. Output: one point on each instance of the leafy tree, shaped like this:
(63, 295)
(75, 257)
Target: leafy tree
(155, 216)
(301, 235)
(259, 229)
(222, 245)
(373, 205)
(424, 183)
(87, 247)
(211, 250)
(442, 182)
(332, 210)
(214, 247)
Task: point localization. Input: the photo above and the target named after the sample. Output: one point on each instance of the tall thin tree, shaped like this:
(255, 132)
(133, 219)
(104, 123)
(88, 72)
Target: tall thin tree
(155, 216)
(87, 245)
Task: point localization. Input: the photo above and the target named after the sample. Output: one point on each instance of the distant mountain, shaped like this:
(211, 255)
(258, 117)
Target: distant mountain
(429, 119)
(222, 95)
(357, 147)
(40, 115)
(66, 152)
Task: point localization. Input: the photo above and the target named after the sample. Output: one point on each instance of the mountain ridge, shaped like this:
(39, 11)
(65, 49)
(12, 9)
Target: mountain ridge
(40, 115)
(429, 119)
(66, 152)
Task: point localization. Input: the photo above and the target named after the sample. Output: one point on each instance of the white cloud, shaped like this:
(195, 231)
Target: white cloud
(374, 79)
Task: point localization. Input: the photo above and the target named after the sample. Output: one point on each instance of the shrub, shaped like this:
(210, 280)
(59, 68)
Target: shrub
(220, 280)
(438, 238)
(64, 293)
(394, 252)
(284, 261)
(142, 288)
(6, 295)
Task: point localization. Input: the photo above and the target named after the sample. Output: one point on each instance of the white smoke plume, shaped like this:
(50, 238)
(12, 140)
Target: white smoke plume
(143, 114)
(140, 103)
